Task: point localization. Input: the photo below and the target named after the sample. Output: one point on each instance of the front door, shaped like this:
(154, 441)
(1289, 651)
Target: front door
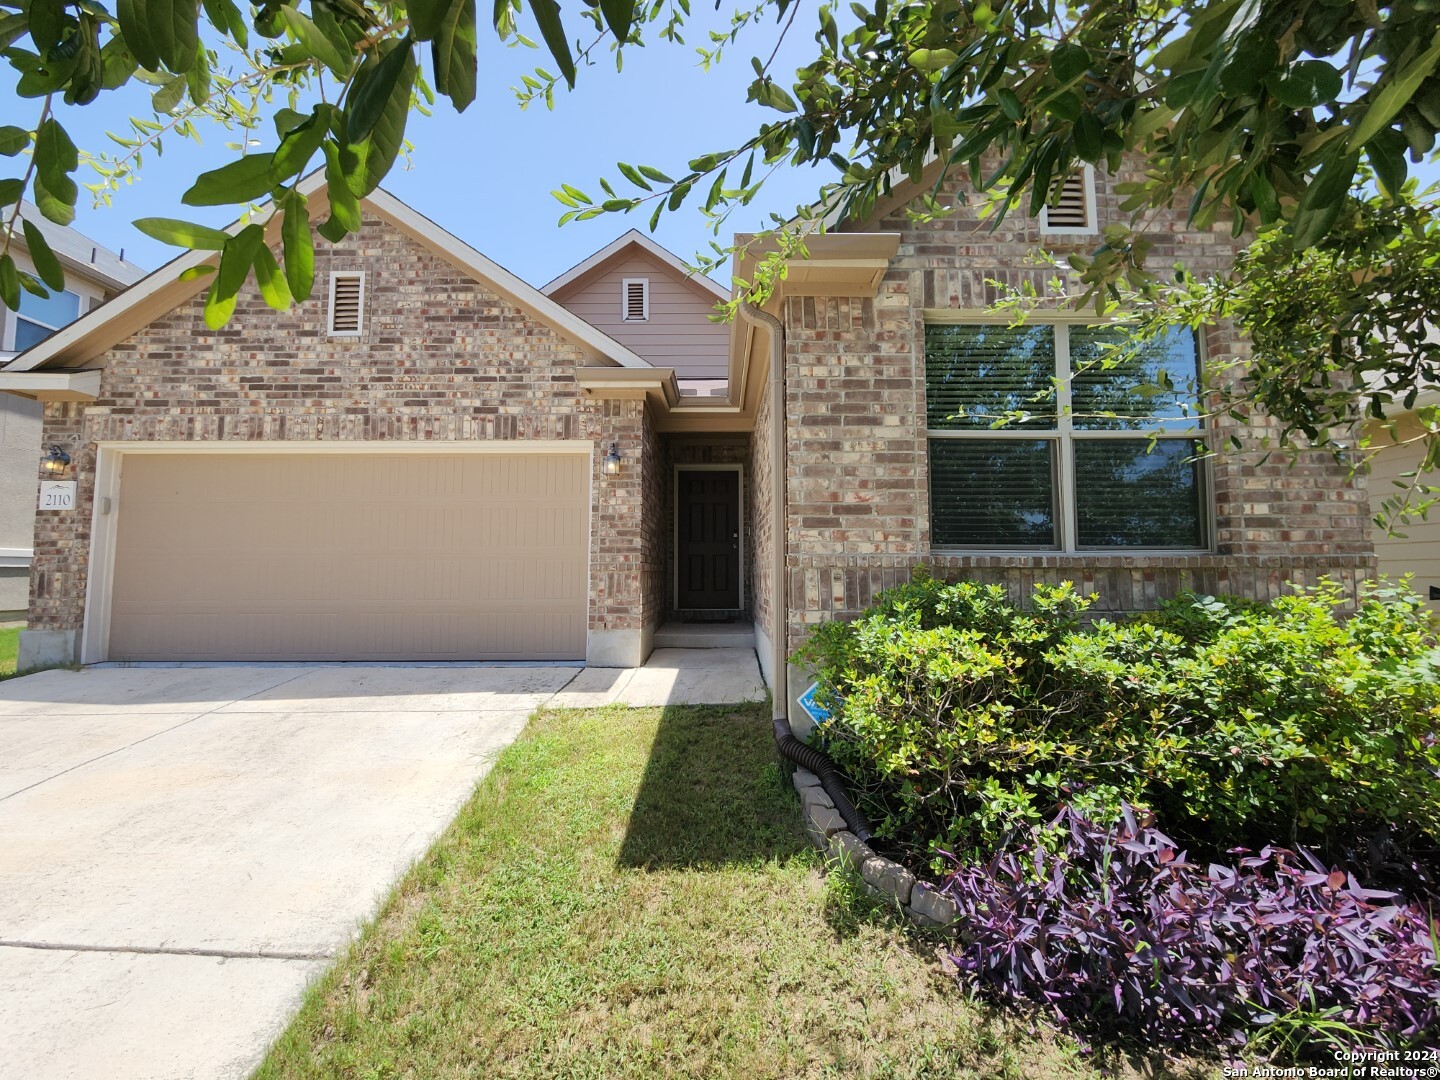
(707, 546)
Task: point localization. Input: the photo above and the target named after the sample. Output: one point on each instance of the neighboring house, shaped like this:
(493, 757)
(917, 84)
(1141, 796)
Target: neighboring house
(431, 460)
(92, 275)
(1414, 548)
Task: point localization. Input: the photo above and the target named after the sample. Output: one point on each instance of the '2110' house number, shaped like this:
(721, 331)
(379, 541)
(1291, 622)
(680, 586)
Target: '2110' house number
(57, 495)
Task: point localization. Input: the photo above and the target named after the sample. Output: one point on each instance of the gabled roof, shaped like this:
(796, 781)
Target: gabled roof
(79, 254)
(621, 244)
(161, 292)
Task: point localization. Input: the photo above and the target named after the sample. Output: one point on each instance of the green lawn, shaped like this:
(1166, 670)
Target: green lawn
(9, 643)
(629, 894)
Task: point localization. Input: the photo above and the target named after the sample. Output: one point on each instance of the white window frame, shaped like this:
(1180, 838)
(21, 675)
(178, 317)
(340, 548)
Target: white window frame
(1062, 438)
(1087, 185)
(625, 284)
(12, 319)
(359, 330)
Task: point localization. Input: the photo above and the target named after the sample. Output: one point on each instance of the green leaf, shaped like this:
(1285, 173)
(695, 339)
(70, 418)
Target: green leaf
(226, 17)
(1386, 152)
(134, 21)
(300, 143)
(619, 14)
(344, 206)
(552, 29)
(46, 264)
(1253, 57)
(9, 282)
(168, 96)
(929, 60)
(190, 273)
(1323, 200)
(13, 139)
(375, 84)
(452, 50)
(316, 43)
(55, 159)
(174, 31)
(367, 163)
(237, 256)
(184, 234)
(10, 191)
(1089, 137)
(218, 307)
(1010, 104)
(299, 247)
(1306, 85)
(633, 175)
(771, 94)
(241, 181)
(1068, 62)
(656, 175)
(273, 286)
(1394, 94)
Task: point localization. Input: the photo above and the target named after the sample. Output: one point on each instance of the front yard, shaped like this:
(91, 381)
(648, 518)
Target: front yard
(9, 644)
(629, 893)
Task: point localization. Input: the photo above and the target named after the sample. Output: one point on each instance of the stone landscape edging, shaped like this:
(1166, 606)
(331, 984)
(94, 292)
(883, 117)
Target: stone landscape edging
(922, 904)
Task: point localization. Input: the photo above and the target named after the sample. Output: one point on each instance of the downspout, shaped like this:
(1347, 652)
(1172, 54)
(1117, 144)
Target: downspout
(804, 755)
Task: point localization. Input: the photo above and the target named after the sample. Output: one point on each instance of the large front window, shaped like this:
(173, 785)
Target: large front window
(1041, 436)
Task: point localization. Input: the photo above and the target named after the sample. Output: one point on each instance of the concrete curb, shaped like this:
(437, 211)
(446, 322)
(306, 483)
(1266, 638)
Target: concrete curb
(922, 904)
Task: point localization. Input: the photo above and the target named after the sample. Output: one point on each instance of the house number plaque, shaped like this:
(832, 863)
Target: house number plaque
(57, 495)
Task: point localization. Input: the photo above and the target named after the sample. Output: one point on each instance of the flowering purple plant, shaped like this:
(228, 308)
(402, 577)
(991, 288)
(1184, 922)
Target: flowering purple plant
(1112, 930)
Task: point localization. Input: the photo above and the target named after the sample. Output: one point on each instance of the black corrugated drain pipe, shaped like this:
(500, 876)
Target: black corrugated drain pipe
(803, 754)
(819, 763)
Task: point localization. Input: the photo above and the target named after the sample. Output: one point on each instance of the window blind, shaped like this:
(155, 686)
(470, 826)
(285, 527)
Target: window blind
(1130, 495)
(1151, 386)
(976, 375)
(992, 492)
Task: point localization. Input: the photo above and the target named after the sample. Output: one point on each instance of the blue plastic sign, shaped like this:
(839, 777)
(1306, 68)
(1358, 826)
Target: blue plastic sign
(818, 713)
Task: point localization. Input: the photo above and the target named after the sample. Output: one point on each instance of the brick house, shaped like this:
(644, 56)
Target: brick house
(432, 460)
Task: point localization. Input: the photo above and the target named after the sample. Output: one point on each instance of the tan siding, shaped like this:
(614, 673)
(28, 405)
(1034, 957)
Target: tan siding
(351, 557)
(678, 333)
(1418, 551)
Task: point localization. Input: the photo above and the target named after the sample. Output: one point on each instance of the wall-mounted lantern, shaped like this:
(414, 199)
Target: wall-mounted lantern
(55, 462)
(612, 460)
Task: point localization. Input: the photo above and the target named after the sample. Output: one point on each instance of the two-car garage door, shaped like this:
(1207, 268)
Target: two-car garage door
(350, 556)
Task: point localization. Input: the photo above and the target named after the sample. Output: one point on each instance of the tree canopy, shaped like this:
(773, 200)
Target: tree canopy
(1292, 121)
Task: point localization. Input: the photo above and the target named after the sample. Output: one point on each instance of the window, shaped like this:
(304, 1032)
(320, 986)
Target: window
(347, 303)
(1071, 208)
(37, 319)
(1036, 443)
(635, 299)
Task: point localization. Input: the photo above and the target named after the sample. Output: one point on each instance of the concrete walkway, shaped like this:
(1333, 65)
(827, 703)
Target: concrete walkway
(183, 849)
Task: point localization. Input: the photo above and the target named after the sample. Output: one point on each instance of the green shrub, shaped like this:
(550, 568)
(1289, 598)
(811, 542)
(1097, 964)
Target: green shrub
(961, 717)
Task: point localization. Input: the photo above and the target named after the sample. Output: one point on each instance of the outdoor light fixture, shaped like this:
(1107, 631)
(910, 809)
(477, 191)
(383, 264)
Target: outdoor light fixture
(612, 460)
(56, 461)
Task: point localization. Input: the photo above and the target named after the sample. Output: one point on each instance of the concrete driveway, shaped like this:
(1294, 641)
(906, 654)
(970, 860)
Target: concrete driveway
(183, 849)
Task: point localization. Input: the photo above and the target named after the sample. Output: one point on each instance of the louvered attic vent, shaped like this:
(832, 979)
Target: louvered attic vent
(347, 304)
(1073, 209)
(635, 299)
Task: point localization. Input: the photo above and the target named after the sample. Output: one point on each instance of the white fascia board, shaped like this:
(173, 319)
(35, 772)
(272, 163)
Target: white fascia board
(55, 384)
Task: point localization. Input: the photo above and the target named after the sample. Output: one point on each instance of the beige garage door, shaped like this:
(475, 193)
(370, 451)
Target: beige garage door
(355, 556)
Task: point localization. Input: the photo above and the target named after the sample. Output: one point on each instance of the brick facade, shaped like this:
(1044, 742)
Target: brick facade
(441, 359)
(857, 464)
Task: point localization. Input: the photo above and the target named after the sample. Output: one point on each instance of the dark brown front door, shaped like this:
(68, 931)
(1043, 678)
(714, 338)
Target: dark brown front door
(708, 546)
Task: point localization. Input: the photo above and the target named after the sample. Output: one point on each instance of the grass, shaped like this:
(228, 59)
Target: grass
(9, 646)
(628, 893)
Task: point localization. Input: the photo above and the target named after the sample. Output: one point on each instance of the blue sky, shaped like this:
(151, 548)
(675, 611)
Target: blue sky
(486, 175)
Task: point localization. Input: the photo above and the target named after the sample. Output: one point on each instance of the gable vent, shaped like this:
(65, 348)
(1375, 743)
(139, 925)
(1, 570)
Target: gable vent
(1072, 208)
(635, 299)
(347, 304)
